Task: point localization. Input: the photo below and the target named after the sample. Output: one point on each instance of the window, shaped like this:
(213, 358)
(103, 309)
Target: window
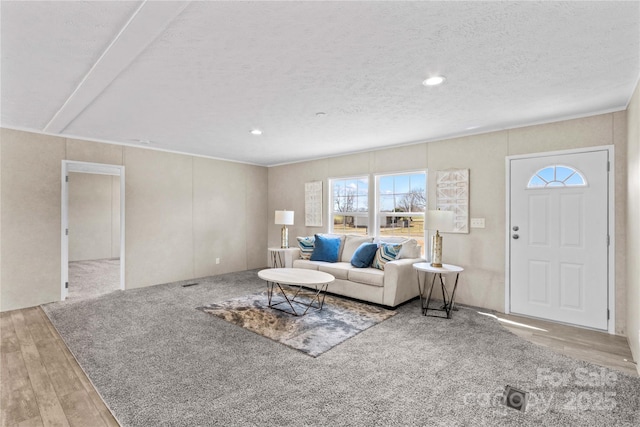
(401, 201)
(557, 176)
(350, 205)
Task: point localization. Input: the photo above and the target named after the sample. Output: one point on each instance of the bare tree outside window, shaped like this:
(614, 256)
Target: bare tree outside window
(413, 201)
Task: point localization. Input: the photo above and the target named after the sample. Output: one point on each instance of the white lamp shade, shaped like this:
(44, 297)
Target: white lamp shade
(440, 220)
(284, 217)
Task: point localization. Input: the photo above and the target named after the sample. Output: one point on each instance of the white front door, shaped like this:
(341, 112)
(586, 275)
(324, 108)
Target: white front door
(559, 238)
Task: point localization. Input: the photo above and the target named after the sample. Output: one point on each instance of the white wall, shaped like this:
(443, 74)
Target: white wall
(482, 251)
(633, 226)
(177, 215)
(94, 216)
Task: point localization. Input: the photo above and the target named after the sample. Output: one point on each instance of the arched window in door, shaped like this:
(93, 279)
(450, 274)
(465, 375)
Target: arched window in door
(557, 176)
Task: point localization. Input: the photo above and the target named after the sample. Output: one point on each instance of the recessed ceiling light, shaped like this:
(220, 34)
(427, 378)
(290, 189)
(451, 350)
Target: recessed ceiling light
(256, 132)
(434, 81)
(321, 114)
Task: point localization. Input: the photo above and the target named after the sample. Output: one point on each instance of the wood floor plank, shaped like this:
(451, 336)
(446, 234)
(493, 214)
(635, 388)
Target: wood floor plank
(98, 403)
(33, 422)
(37, 327)
(80, 410)
(51, 411)
(9, 341)
(19, 401)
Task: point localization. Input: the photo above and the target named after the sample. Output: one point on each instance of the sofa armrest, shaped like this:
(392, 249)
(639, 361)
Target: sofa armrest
(400, 281)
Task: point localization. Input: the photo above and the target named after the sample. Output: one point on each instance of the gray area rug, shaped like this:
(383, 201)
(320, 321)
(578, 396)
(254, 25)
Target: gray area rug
(313, 334)
(158, 361)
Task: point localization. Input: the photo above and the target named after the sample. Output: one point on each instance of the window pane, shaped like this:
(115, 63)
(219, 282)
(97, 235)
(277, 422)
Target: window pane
(349, 195)
(536, 181)
(562, 173)
(575, 179)
(363, 187)
(386, 203)
(546, 174)
(362, 204)
(418, 182)
(402, 184)
(386, 185)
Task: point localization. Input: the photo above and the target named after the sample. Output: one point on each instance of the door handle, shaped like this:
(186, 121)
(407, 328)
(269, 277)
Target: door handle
(515, 236)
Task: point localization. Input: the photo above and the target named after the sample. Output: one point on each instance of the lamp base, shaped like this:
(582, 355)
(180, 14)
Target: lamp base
(436, 250)
(284, 237)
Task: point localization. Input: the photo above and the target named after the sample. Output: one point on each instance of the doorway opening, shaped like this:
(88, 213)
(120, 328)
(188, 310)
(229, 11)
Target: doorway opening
(92, 229)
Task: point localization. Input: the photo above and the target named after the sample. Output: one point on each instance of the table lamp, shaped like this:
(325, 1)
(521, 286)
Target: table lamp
(439, 221)
(284, 218)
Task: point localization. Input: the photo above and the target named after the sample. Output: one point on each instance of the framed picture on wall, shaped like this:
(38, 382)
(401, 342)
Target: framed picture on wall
(452, 194)
(313, 204)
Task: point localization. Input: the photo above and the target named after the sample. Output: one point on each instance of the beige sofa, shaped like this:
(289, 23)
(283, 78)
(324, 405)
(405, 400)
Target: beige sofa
(397, 283)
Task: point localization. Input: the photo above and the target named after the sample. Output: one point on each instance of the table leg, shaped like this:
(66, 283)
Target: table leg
(276, 259)
(314, 298)
(433, 282)
(453, 295)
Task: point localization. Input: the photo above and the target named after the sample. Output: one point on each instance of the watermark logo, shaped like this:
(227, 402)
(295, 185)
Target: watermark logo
(579, 390)
(581, 377)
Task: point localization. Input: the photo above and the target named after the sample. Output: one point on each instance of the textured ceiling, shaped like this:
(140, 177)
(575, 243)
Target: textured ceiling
(196, 77)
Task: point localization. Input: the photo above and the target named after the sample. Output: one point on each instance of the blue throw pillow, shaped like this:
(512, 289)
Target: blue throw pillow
(363, 256)
(326, 248)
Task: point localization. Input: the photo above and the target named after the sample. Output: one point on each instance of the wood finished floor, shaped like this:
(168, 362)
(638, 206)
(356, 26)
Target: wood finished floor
(42, 385)
(611, 351)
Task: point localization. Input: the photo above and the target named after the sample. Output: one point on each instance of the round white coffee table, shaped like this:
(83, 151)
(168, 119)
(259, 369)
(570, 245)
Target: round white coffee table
(426, 267)
(296, 279)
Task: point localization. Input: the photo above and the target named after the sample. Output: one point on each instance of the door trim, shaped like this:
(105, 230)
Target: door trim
(611, 261)
(94, 168)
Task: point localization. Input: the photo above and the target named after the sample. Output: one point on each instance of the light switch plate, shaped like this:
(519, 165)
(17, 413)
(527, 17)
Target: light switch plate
(477, 222)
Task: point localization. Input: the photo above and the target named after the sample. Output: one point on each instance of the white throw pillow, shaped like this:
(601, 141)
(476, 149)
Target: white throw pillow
(351, 243)
(410, 249)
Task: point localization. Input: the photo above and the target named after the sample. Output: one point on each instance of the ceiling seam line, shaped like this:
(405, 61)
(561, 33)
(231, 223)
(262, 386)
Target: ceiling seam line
(93, 67)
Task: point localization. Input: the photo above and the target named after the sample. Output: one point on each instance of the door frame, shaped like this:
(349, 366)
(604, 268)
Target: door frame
(611, 261)
(93, 168)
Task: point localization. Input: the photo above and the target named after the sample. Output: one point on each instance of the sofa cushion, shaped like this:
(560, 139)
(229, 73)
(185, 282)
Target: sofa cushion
(386, 252)
(305, 263)
(339, 270)
(363, 256)
(327, 248)
(351, 243)
(367, 276)
(306, 245)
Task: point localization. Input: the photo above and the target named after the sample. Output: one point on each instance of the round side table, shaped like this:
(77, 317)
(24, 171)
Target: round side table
(425, 267)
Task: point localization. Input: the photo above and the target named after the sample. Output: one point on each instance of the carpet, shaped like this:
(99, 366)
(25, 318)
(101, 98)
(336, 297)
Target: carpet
(157, 361)
(313, 334)
(90, 279)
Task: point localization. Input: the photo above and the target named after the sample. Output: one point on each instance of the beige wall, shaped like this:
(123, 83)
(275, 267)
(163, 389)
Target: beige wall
(633, 225)
(482, 251)
(94, 216)
(177, 215)
(31, 187)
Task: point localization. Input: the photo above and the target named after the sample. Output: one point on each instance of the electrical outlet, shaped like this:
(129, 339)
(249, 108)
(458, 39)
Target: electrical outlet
(217, 260)
(477, 222)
